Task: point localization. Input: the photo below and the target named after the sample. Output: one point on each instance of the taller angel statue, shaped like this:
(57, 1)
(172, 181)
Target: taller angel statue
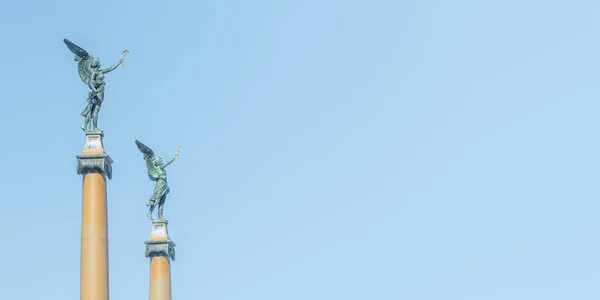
(91, 74)
(156, 172)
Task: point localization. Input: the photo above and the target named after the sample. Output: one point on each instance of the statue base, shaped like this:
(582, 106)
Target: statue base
(93, 159)
(159, 243)
(93, 142)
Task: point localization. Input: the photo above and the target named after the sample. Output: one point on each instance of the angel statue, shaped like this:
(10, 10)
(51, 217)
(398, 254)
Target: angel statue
(91, 74)
(156, 172)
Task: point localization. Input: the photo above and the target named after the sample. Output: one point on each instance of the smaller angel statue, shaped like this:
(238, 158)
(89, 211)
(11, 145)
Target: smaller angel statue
(91, 74)
(156, 172)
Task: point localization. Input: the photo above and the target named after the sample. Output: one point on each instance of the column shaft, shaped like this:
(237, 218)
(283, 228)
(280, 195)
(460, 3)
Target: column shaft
(94, 239)
(160, 278)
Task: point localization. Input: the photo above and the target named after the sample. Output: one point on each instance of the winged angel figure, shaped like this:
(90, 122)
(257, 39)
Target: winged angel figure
(91, 74)
(156, 172)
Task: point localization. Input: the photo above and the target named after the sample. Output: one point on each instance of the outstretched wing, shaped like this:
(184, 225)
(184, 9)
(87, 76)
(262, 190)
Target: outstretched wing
(76, 49)
(149, 157)
(84, 59)
(148, 153)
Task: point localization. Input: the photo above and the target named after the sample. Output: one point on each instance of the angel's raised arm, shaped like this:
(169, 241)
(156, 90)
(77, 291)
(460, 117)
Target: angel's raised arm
(169, 162)
(111, 68)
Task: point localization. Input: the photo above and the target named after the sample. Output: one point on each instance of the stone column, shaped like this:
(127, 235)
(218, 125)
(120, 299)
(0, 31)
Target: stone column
(161, 251)
(95, 166)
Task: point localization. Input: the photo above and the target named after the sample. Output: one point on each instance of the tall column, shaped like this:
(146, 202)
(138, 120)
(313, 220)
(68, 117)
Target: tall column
(95, 166)
(161, 251)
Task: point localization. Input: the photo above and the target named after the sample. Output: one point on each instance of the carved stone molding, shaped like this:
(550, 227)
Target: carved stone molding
(160, 248)
(94, 163)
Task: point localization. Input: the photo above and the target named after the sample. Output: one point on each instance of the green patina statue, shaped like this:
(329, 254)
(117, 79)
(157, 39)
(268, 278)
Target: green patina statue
(156, 172)
(91, 74)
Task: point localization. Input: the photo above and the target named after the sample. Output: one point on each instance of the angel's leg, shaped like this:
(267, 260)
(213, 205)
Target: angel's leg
(160, 210)
(161, 206)
(87, 119)
(85, 123)
(87, 113)
(95, 113)
(149, 214)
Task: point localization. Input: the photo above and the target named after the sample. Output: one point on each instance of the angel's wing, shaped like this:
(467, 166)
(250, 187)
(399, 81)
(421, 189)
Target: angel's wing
(149, 157)
(76, 49)
(84, 59)
(148, 153)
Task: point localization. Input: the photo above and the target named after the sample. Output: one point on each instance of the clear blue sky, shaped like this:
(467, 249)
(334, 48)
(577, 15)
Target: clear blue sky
(331, 149)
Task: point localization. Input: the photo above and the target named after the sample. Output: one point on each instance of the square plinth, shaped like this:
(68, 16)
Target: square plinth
(159, 230)
(93, 142)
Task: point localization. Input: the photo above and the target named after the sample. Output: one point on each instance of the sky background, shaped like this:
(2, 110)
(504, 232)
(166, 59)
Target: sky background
(331, 149)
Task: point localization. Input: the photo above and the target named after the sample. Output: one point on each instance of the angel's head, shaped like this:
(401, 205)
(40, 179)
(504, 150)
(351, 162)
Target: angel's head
(95, 63)
(158, 161)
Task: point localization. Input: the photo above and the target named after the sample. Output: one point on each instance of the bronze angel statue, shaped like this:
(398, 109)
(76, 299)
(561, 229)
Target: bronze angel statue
(91, 74)
(156, 172)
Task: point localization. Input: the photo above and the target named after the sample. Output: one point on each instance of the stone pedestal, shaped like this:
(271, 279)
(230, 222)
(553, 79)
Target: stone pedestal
(161, 250)
(95, 166)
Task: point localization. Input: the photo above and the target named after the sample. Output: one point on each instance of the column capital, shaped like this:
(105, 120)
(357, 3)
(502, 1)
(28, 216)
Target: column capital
(94, 163)
(164, 248)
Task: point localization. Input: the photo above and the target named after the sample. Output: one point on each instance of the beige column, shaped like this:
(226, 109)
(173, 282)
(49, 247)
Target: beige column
(95, 166)
(160, 278)
(161, 251)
